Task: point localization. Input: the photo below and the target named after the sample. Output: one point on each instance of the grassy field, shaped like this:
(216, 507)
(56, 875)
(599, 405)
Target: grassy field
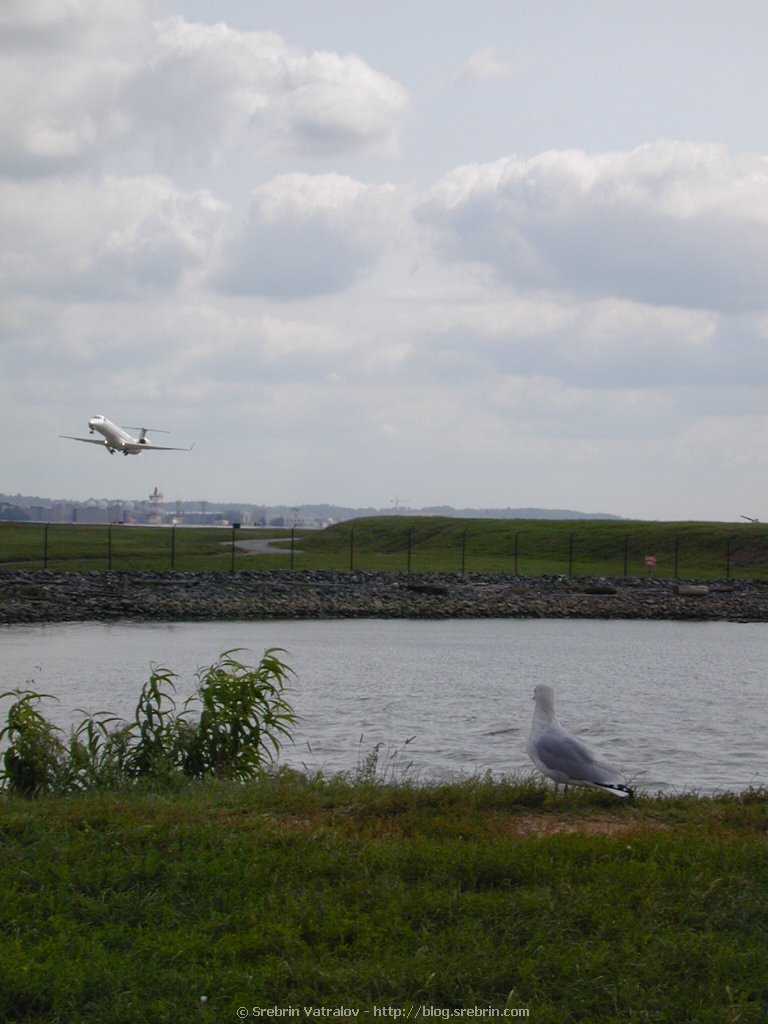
(124, 548)
(407, 543)
(358, 893)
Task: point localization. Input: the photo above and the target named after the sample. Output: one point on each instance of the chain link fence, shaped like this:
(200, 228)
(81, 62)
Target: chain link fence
(413, 548)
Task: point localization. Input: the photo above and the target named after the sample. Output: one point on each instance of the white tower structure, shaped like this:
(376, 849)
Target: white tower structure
(155, 514)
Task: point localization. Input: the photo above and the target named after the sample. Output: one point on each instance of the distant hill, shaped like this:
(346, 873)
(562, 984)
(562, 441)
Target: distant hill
(339, 514)
(514, 513)
(319, 513)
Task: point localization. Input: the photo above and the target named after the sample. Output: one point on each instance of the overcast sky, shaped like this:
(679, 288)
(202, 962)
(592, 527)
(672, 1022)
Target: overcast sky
(479, 253)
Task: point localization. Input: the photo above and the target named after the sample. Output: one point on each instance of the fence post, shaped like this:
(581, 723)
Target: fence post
(517, 539)
(728, 559)
(293, 537)
(173, 548)
(463, 551)
(352, 548)
(410, 545)
(570, 555)
(45, 546)
(677, 558)
(109, 547)
(626, 555)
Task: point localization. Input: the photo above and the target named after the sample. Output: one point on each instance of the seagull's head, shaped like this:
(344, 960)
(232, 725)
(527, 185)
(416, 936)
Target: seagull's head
(544, 697)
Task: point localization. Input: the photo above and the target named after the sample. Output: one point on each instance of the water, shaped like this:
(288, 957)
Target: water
(680, 706)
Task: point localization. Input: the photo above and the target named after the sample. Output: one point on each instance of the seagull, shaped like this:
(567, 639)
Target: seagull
(562, 757)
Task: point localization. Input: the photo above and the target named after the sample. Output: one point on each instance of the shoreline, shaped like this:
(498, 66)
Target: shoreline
(47, 596)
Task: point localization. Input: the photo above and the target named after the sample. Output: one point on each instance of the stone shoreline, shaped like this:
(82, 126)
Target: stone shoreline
(45, 596)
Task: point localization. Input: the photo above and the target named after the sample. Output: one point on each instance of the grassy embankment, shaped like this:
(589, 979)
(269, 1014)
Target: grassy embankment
(185, 904)
(408, 543)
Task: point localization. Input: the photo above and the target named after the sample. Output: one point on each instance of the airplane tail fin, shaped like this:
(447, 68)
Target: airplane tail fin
(143, 431)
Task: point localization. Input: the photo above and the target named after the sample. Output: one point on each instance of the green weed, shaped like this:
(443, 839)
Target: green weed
(32, 760)
(243, 718)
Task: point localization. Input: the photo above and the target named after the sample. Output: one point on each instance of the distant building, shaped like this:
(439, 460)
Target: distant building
(12, 513)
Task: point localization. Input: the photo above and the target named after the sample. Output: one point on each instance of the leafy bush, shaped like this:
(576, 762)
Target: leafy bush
(33, 760)
(243, 718)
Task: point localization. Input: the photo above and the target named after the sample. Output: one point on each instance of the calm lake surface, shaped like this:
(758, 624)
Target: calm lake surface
(679, 706)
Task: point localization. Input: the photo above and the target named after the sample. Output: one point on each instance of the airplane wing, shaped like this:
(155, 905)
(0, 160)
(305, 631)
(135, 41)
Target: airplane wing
(85, 440)
(127, 447)
(135, 448)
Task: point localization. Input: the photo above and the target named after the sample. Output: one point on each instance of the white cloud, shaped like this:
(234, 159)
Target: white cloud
(206, 88)
(63, 64)
(74, 237)
(306, 235)
(87, 80)
(485, 65)
(670, 224)
(61, 32)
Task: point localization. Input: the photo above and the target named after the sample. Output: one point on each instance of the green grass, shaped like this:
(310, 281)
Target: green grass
(409, 543)
(123, 548)
(293, 892)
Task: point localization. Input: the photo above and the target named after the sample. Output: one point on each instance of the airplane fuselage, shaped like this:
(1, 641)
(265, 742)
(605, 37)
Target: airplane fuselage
(115, 438)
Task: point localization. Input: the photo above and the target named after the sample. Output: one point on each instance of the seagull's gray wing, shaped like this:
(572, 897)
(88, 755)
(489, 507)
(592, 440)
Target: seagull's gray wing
(561, 752)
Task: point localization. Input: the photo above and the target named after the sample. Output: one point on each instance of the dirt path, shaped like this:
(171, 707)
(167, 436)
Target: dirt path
(264, 547)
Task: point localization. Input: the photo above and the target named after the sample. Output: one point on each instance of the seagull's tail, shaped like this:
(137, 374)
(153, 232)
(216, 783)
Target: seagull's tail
(617, 789)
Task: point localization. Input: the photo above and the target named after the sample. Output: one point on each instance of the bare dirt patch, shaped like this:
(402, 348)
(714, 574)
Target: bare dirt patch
(594, 824)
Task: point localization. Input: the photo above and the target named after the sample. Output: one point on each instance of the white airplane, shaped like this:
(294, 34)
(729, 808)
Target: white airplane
(115, 439)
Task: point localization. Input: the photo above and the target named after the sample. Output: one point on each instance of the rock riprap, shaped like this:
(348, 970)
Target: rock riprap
(44, 596)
